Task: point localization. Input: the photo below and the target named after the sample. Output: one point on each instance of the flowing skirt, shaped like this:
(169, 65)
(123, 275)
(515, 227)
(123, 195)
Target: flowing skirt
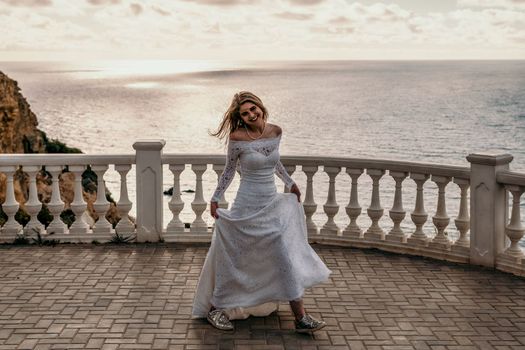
(259, 256)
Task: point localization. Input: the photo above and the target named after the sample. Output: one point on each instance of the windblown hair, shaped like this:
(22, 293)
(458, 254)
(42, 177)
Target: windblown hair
(232, 118)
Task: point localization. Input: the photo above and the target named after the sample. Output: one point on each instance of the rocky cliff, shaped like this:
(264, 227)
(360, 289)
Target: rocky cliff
(18, 125)
(19, 134)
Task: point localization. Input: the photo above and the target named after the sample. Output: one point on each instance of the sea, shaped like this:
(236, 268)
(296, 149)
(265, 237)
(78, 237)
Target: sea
(420, 111)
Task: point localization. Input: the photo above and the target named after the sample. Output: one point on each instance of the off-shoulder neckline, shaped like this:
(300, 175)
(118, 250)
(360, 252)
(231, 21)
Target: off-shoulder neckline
(262, 139)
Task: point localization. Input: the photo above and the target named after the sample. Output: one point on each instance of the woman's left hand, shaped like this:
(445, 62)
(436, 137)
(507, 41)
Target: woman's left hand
(295, 190)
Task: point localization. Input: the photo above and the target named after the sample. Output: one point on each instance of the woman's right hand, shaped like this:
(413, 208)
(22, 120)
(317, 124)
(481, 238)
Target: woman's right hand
(213, 209)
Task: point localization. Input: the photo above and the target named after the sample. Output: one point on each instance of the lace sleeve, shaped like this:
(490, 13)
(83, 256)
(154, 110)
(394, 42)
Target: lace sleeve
(229, 171)
(281, 172)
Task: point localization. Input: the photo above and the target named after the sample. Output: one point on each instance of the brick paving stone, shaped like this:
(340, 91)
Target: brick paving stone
(140, 297)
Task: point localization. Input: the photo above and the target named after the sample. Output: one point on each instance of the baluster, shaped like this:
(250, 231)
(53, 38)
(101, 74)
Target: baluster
(199, 204)
(176, 204)
(124, 205)
(463, 219)
(56, 205)
(397, 213)
(33, 205)
(10, 206)
(309, 204)
(441, 219)
(79, 228)
(515, 230)
(375, 211)
(290, 169)
(102, 229)
(331, 207)
(219, 168)
(419, 215)
(353, 209)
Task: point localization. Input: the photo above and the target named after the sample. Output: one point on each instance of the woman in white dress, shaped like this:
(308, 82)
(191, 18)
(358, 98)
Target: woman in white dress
(259, 254)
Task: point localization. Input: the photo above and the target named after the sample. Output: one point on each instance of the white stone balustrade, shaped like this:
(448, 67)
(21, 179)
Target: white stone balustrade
(515, 230)
(79, 229)
(33, 204)
(375, 211)
(219, 168)
(175, 226)
(419, 215)
(486, 181)
(331, 207)
(56, 205)
(124, 227)
(462, 221)
(309, 204)
(512, 258)
(102, 230)
(353, 209)
(488, 208)
(55, 165)
(11, 227)
(199, 205)
(149, 189)
(441, 219)
(290, 169)
(397, 213)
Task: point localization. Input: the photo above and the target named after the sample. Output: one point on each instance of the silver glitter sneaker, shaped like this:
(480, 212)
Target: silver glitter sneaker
(308, 324)
(218, 319)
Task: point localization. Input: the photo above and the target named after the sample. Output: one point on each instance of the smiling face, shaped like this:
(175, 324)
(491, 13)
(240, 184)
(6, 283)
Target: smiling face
(251, 114)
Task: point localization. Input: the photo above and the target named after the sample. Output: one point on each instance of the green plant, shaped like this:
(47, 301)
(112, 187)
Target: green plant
(21, 240)
(121, 239)
(41, 241)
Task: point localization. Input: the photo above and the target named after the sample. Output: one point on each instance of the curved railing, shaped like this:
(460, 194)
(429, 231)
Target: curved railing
(416, 186)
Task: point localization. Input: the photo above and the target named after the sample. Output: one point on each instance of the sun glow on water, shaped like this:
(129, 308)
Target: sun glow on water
(143, 85)
(155, 67)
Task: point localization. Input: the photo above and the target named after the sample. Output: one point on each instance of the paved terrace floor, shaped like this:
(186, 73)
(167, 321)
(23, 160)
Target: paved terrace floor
(140, 296)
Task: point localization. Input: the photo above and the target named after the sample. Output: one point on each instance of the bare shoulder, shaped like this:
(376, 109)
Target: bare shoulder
(275, 130)
(237, 135)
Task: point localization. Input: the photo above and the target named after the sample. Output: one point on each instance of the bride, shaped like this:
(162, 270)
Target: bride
(259, 254)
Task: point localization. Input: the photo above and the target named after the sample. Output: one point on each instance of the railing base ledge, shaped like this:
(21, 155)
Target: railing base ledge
(392, 247)
(76, 238)
(187, 237)
(511, 264)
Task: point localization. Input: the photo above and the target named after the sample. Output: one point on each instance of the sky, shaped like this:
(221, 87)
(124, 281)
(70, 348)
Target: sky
(261, 29)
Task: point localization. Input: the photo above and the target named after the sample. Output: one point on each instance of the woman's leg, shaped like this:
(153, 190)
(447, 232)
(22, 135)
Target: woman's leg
(304, 323)
(297, 308)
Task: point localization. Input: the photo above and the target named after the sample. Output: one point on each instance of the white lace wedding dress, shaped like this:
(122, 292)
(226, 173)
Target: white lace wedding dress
(259, 254)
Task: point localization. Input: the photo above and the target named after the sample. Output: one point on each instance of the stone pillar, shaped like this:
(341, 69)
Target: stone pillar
(149, 189)
(488, 206)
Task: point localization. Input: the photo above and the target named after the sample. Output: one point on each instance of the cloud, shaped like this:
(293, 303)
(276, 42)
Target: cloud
(103, 2)
(510, 4)
(224, 29)
(161, 11)
(223, 2)
(339, 20)
(136, 9)
(332, 30)
(28, 3)
(294, 16)
(305, 2)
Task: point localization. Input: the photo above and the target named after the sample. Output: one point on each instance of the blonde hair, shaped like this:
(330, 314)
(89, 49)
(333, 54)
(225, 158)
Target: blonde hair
(232, 120)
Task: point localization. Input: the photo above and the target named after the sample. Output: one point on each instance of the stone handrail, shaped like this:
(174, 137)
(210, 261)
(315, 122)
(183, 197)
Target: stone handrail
(486, 181)
(65, 159)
